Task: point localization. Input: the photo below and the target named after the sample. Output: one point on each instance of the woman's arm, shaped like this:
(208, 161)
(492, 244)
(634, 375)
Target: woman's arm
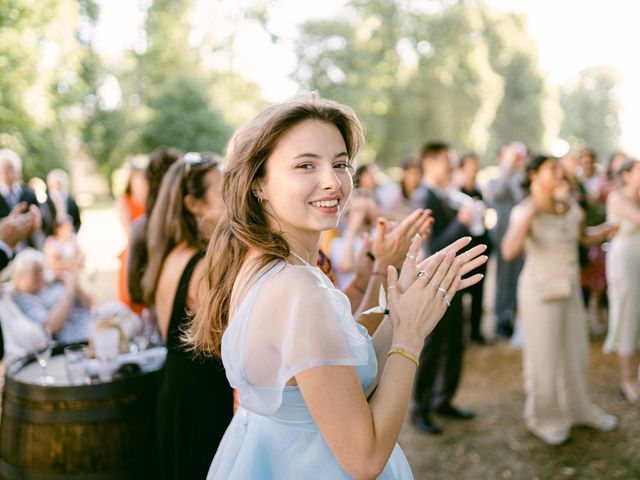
(60, 312)
(124, 216)
(518, 229)
(620, 208)
(592, 236)
(383, 337)
(362, 435)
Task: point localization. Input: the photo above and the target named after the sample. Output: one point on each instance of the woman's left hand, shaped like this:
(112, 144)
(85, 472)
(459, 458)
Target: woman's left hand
(390, 244)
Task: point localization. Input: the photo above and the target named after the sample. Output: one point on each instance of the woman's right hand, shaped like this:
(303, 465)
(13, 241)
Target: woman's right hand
(469, 260)
(416, 312)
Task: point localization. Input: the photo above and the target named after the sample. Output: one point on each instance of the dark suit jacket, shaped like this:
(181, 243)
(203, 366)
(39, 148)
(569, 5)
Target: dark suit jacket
(49, 215)
(4, 260)
(26, 195)
(446, 228)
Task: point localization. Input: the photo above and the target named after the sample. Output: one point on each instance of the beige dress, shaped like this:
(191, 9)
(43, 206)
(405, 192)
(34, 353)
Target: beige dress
(623, 277)
(555, 331)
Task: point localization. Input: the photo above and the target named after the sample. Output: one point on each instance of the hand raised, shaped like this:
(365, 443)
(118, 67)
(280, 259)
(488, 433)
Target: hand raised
(416, 312)
(391, 244)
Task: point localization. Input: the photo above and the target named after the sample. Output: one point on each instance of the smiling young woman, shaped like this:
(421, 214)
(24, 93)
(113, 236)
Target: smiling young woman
(288, 340)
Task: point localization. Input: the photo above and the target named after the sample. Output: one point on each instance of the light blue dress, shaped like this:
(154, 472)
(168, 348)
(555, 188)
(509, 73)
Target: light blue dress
(270, 339)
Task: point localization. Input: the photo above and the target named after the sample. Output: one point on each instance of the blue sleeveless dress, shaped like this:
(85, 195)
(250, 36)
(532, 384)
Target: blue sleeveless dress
(280, 440)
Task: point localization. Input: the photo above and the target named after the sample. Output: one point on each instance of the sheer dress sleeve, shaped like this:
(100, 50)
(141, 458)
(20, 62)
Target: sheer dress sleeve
(297, 321)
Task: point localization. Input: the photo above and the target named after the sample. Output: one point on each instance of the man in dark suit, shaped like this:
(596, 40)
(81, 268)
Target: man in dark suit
(12, 192)
(60, 204)
(438, 376)
(14, 228)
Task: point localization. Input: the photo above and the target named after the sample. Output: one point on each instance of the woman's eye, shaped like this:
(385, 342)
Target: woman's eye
(305, 166)
(341, 165)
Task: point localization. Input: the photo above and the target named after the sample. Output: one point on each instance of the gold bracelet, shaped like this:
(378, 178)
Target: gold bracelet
(405, 354)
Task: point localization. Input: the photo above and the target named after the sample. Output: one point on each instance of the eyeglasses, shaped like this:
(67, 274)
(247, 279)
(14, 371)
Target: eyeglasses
(197, 158)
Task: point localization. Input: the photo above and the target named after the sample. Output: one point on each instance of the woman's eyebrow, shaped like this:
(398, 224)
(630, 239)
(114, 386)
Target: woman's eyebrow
(315, 155)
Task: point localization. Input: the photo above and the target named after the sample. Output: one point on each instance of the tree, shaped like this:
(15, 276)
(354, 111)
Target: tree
(591, 110)
(181, 117)
(36, 42)
(525, 111)
(414, 73)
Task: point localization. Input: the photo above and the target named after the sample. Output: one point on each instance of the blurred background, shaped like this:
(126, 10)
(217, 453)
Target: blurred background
(87, 84)
(92, 86)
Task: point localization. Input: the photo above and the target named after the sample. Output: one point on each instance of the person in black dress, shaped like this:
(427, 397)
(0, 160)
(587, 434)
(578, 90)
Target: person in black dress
(195, 402)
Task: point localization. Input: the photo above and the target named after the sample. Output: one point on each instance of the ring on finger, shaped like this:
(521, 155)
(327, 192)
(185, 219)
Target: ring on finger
(421, 274)
(440, 289)
(411, 256)
(446, 301)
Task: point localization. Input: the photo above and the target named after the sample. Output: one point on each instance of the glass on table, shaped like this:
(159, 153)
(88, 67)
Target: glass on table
(107, 345)
(74, 357)
(43, 355)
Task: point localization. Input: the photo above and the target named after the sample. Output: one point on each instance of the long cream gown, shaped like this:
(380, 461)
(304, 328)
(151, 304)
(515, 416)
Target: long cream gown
(623, 277)
(555, 347)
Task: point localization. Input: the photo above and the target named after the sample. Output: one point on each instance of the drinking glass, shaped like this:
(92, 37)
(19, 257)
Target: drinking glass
(43, 355)
(107, 344)
(74, 356)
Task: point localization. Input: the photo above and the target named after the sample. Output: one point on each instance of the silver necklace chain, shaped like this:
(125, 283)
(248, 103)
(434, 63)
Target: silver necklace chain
(300, 258)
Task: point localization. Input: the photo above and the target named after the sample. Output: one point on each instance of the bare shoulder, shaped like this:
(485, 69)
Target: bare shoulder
(169, 278)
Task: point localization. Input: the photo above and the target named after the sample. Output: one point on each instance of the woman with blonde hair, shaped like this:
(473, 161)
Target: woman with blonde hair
(288, 340)
(195, 402)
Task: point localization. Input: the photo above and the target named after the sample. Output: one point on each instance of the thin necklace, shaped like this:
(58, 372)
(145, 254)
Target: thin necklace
(300, 258)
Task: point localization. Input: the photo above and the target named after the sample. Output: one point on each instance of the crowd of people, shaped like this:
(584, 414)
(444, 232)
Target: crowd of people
(331, 299)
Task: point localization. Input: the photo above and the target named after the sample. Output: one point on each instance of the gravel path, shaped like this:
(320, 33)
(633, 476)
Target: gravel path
(496, 445)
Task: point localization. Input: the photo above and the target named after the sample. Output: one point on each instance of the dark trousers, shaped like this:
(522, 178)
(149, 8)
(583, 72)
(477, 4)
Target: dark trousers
(440, 367)
(477, 299)
(507, 274)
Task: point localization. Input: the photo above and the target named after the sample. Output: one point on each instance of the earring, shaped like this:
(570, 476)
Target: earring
(258, 195)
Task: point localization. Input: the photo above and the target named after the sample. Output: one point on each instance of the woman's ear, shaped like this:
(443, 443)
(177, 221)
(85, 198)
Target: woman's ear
(256, 190)
(191, 203)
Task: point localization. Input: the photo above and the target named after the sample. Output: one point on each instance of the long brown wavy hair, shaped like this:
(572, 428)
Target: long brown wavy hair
(171, 222)
(245, 225)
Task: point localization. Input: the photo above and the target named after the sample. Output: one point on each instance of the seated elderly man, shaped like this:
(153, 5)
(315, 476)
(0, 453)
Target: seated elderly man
(62, 308)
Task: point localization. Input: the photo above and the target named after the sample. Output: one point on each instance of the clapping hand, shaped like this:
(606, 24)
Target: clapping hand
(15, 228)
(390, 242)
(465, 262)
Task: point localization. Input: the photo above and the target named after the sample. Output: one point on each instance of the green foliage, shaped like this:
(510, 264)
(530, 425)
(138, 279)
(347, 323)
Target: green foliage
(522, 114)
(27, 123)
(455, 73)
(181, 117)
(592, 111)
(104, 134)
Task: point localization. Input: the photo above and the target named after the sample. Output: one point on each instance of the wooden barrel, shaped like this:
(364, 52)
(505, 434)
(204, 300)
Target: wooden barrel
(91, 432)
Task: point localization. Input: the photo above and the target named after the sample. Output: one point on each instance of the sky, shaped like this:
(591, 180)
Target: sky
(571, 35)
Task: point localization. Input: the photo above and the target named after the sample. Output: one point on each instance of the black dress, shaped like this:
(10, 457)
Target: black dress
(195, 403)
